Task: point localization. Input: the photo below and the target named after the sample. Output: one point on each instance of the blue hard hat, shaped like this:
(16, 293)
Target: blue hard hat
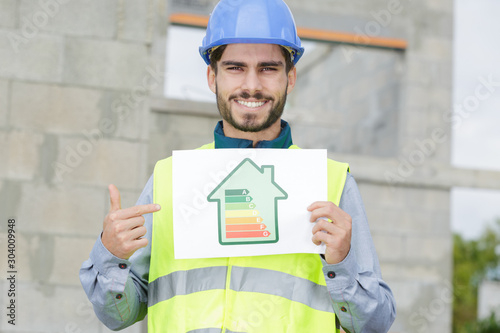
(253, 22)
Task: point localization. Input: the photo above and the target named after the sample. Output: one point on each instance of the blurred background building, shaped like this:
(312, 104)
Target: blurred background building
(95, 92)
(489, 299)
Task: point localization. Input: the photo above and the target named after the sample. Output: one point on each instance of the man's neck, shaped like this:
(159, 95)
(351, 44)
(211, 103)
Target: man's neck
(268, 134)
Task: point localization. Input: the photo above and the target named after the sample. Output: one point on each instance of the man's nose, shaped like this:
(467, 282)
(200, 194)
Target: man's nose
(251, 82)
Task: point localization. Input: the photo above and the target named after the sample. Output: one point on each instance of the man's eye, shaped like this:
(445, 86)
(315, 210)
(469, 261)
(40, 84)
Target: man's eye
(268, 69)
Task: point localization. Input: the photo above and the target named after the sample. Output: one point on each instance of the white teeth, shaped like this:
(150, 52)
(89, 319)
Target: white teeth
(251, 104)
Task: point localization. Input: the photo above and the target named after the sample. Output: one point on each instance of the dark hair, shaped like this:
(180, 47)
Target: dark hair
(216, 55)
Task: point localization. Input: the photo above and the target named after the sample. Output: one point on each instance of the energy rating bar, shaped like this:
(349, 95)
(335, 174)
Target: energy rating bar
(239, 206)
(241, 213)
(247, 234)
(238, 198)
(243, 220)
(237, 192)
(245, 227)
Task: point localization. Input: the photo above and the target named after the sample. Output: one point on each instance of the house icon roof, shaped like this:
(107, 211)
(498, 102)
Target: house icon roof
(248, 204)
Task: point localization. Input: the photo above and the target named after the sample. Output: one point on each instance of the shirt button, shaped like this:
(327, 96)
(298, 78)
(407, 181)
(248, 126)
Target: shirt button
(122, 266)
(119, 296)
(343, 309)
(331, 274)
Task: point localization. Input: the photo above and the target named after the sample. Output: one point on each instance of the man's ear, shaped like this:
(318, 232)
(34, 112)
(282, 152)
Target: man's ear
(292, 78)
(211, 79)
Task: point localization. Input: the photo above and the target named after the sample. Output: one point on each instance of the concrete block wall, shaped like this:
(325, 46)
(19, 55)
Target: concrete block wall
(170, 132)
(75, 78)
(354, 108)
(410, 229)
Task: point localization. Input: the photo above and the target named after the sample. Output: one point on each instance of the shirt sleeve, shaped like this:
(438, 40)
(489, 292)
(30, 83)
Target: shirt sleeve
(117, 288)
(362, 301)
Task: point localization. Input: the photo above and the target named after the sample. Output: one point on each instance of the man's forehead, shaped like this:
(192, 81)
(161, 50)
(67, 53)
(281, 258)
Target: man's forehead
(253, 51)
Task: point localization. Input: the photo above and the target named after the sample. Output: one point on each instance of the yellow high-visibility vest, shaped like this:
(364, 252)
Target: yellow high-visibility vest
(264, 294)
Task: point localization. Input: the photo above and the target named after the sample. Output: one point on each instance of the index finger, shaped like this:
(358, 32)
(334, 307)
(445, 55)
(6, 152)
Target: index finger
(136, 211)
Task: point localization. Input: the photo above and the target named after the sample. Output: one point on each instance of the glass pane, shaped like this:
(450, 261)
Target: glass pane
(186, 71)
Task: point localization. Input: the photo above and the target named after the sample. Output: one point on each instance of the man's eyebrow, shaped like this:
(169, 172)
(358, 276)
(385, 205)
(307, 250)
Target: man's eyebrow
(233, 63)
(271, 64)
(261, 64)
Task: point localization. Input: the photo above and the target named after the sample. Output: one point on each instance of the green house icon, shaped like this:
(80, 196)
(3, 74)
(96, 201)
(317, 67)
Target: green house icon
(248, 205)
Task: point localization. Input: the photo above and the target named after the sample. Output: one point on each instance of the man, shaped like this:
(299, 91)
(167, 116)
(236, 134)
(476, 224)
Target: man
(251, 48)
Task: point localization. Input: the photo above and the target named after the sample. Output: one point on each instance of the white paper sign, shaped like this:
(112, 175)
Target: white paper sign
(245, 202)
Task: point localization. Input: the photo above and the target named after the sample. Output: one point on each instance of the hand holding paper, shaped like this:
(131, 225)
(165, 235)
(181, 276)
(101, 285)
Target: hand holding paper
(336, 235)
(123, 228)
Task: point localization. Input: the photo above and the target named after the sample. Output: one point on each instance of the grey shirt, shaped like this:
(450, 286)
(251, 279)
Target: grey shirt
(362, 301)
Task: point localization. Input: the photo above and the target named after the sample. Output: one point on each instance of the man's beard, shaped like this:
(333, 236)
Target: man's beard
(249, 124)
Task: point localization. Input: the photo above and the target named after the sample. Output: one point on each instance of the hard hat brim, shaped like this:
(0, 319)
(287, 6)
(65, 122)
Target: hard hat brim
(205, 54)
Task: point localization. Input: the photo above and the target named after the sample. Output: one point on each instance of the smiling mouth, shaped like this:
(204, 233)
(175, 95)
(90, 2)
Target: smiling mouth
(252, 105)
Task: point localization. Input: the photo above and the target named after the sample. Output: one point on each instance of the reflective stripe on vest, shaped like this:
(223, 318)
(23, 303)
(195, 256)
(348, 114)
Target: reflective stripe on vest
(277, 293)
(186, 282)
(255, 280)
(211, 330)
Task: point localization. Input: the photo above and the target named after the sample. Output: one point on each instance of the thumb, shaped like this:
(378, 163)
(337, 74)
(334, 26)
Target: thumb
(114, 198)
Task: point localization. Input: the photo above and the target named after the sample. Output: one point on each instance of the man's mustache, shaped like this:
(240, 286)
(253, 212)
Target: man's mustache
(246, 95)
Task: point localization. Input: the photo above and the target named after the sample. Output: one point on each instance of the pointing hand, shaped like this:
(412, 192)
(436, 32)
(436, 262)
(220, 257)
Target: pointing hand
(123, 229)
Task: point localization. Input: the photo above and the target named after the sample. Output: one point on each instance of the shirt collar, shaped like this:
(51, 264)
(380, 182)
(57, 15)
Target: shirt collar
(284, 140)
